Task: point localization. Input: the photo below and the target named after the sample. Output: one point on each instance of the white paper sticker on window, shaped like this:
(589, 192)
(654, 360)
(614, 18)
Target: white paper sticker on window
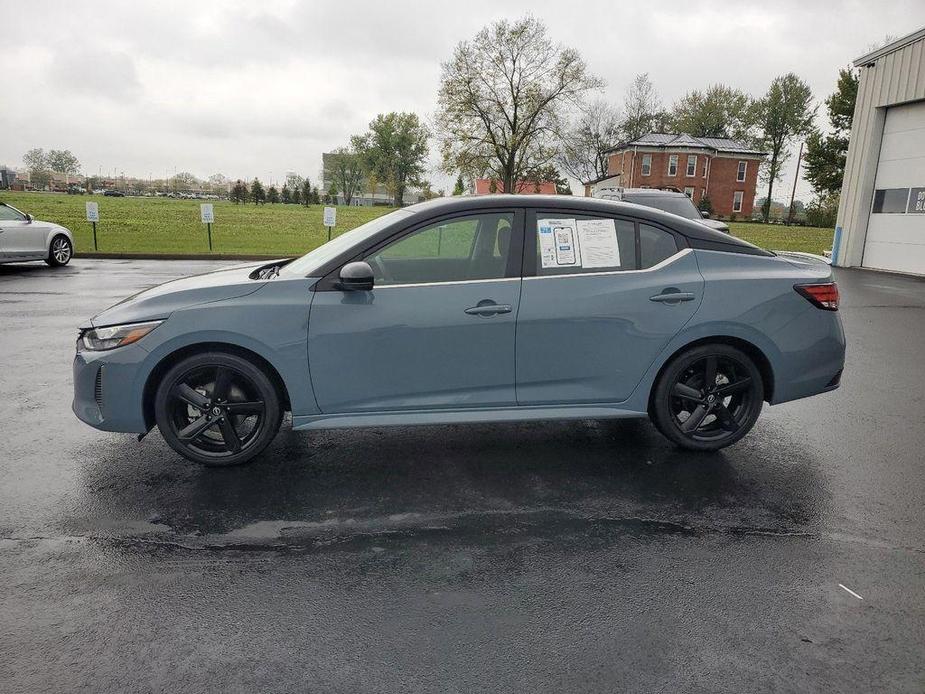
(597, 239)
(558, 240)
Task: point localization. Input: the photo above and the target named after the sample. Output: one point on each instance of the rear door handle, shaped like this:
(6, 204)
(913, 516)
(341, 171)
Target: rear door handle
(672, 297)
(488, 308)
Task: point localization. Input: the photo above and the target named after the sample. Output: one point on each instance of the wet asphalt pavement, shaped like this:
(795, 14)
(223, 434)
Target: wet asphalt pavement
(587, 556)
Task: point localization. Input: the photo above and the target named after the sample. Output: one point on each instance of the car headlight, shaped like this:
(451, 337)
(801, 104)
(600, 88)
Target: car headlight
(100, 339)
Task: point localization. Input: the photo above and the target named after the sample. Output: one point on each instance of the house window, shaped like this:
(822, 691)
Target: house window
(673, 165)
(740, 174)
(689, 192)
(691, 164)
(737, 200)
(646, 164)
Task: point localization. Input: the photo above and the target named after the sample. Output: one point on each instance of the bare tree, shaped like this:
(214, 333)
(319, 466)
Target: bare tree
(642, 108)
(783, 114)
(503, 100)
(585, 145)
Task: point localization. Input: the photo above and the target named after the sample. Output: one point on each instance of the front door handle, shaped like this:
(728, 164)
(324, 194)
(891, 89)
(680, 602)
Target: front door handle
(672, 297)
(487, 307)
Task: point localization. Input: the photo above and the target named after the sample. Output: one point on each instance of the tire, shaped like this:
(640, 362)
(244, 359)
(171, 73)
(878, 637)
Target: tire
(698, 415)
(217, 409)
(60, 251)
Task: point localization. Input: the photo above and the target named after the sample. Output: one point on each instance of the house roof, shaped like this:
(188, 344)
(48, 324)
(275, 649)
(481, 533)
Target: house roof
(666, 140)
(483, 187)
(896, 45)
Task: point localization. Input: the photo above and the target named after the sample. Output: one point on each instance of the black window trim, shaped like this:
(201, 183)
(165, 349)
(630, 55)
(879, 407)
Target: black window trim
(328, 283)
(529, 246)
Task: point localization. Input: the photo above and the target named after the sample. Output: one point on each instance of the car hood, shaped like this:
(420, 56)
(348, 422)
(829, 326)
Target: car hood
(160, 301)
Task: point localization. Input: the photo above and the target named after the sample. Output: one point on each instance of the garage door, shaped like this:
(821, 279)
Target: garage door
(896, 233)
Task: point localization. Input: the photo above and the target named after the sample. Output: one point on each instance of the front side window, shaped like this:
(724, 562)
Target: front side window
(740, 174)
(691, 164)
(474, 247)
(737, 201)
(673, 165)
(8, 214)
(567, 244)
(646, 164)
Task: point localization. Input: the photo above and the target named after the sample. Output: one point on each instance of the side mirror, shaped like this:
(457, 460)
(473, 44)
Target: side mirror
(356, 277)
(28, 219)
(704, 214)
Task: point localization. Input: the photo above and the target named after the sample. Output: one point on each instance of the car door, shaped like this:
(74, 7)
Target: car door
(437, 329)
(601, 297)
(20, 237)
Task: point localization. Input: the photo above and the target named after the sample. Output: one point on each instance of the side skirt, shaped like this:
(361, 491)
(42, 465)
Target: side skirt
(349, 420)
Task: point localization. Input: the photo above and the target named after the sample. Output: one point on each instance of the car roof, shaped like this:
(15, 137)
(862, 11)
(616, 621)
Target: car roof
(686, 227)
(653, 192)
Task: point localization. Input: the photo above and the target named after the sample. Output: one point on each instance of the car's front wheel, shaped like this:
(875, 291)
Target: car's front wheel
(60, 251)
(708, 397)
(217, 409)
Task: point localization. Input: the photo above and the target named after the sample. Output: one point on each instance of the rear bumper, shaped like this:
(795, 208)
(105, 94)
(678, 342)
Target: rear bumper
(812, 354)
(105, 392)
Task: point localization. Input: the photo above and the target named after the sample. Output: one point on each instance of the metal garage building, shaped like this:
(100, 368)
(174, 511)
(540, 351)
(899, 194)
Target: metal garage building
(881, 218)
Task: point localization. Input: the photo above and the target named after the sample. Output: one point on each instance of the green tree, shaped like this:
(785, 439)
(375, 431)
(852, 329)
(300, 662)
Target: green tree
(315, 196)
(285, 196)
(306, 192)
(63, 161)
(720, 111)
(36, 162)
(395, 151)
(331, 195)
(782, 115)
(585, 145)
(459, 188)
(258, 194)
(549, 173)
(826, 153)
(344, 167)
(296, 196)
(272, 195)
(504, 98)
(642, 109)
(239, 193)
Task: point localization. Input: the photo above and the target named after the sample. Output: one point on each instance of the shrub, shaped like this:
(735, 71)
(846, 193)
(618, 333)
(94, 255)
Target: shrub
(822, 211)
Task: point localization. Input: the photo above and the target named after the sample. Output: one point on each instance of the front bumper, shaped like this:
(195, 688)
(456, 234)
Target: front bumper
(107, 394)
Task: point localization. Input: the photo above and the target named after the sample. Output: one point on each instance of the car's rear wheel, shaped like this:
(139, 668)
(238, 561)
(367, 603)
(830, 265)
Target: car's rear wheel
(60, 251)
(217, 409)
(708, 397)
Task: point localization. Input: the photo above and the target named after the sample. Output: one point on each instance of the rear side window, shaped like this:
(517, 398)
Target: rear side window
(655, 245)
(569, 244)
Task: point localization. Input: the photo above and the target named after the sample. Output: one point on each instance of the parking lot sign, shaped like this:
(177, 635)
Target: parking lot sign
(93, 212)
(330, 219)
(206, 213)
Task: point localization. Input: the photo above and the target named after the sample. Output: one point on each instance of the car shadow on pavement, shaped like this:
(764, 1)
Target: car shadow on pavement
(343, 483)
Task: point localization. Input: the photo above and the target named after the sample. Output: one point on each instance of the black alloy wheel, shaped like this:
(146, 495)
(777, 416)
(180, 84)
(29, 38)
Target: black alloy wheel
(708, 398)
(217, 409)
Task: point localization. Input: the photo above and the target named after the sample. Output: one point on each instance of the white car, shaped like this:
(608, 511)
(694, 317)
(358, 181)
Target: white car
(23, 238)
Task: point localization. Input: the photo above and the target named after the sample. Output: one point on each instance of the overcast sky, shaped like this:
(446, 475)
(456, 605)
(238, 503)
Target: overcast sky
(260, 88)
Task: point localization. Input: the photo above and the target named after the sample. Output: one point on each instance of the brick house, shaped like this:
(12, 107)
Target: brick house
(723, 170)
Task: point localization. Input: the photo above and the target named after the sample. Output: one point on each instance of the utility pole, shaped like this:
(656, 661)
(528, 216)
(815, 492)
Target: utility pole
(794, 191)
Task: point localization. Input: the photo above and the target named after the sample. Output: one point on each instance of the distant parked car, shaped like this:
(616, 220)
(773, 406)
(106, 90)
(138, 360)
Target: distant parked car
(75, 190)
(618, 311)
(114, 194)
(665, 200)
(23, 238)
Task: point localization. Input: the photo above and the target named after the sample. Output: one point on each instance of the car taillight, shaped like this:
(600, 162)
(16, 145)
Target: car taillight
(824, 296)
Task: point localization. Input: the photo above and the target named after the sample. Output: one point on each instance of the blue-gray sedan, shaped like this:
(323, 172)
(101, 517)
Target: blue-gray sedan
(472, 309)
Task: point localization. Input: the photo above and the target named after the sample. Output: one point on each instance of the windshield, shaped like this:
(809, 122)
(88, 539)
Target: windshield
(681, 206)
(311, 261)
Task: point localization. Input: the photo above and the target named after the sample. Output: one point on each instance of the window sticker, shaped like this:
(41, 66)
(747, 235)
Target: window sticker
(597, 239)
(558, 240)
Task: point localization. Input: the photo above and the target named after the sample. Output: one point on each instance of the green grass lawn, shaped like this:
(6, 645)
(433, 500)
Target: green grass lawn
(164, 225)
(776, 237)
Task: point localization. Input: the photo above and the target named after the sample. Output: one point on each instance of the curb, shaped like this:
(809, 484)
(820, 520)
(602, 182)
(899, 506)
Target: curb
(177, 256)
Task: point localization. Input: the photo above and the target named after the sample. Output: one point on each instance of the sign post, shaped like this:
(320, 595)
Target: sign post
(93, 216)
(207, 214)
(330, 219)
